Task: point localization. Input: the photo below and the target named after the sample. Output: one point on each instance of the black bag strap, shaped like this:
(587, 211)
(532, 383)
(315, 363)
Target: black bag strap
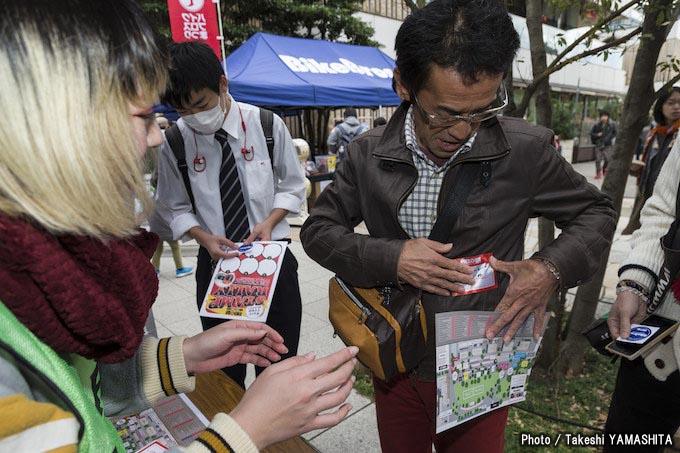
(267, 121)
(455, 202)
(670, 269)
(176, 143)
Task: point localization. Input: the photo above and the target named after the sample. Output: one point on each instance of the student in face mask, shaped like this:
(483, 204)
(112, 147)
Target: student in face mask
(240, 194)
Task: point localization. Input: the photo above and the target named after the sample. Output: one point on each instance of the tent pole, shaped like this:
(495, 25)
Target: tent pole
(221, 36)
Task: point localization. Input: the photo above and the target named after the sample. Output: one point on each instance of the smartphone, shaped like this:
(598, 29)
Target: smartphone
(643, 337)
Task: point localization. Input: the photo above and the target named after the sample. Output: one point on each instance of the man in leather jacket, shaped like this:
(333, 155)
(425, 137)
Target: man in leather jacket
(451, 59)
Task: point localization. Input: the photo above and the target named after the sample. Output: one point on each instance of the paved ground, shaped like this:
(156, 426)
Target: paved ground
(175, 313)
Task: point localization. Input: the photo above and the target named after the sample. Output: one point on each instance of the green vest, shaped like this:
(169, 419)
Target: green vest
(70, 383)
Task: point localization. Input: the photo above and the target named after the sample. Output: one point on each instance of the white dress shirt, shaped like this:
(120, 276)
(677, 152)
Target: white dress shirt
(263, 190)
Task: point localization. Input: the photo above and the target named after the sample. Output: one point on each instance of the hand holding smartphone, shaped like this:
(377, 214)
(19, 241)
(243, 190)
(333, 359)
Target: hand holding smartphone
(643, 337)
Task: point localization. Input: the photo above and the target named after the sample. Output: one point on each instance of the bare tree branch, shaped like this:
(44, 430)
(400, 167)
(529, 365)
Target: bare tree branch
(593, 30)
(667, 86)
(554, 68)
(531, 88)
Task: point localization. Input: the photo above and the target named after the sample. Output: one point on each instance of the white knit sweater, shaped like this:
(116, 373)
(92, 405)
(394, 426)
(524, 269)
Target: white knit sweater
(657, 216)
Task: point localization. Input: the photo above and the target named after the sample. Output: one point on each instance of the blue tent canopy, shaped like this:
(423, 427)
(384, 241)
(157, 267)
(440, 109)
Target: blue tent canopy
(278, 71)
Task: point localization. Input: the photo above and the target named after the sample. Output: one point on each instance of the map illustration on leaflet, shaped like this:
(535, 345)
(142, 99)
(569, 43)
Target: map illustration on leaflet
(475, 375)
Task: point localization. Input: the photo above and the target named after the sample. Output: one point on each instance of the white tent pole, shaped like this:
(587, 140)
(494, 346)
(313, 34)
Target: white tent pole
(221, 36)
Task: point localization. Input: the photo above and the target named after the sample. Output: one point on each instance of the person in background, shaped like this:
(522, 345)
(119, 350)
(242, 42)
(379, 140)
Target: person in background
(557, 145)
(642, 140)
(379, 121)
(658, 144)
(646, 397)
(241, 195)
(345, 132)
(602, 136)
(77, 283)
(452, 56)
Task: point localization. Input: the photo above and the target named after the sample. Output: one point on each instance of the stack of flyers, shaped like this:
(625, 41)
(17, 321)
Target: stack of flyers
(242, 287)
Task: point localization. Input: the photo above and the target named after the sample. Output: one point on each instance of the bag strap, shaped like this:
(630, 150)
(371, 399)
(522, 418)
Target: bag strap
(455, 202)
(267, 121)
(176, 142)
(667, 275)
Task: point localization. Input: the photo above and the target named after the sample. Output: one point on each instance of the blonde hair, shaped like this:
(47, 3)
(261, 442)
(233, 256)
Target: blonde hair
(68, 160)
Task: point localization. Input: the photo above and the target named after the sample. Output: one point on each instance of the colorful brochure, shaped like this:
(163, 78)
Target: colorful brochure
(172, 421)
(242, 287)
(474, 375)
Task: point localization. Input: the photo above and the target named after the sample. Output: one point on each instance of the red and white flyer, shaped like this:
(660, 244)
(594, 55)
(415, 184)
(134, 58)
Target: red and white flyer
(483, 273)
(242, 287)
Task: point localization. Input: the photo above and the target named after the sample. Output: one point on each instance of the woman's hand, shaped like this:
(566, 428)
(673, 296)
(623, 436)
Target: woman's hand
(231, 343)
(287, 398)
(627, 308)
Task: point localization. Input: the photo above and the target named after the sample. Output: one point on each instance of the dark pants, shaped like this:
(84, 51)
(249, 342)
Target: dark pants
(406, 411)
(285, 314)
(602, 158)
(641, 404)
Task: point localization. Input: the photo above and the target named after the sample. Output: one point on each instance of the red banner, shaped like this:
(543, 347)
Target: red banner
(195, 20)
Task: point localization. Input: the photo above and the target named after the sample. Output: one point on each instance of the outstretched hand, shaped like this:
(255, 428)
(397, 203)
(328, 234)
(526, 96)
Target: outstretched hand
(231, 343)
(288, 398)
(531, 285)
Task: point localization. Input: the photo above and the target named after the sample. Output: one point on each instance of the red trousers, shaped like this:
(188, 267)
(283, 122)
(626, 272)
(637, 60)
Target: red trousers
(406, 410)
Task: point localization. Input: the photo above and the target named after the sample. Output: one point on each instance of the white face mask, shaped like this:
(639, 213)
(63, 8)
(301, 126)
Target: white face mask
(209, 121)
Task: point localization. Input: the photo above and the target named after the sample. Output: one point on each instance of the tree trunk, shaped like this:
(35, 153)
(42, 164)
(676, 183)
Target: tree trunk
(546, 228)
(511, 109)
(636, 107)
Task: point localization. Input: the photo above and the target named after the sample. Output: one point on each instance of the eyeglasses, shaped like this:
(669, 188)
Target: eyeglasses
(472, 119)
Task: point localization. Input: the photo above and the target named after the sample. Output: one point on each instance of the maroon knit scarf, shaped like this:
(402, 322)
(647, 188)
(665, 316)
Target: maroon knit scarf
(78, 294)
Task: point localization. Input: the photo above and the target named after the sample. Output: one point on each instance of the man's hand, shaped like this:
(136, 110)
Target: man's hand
(422, 264)
(231, 343)
(292, 397)
(263, 230)
(627, 308)
(531, 285)
(215, 245)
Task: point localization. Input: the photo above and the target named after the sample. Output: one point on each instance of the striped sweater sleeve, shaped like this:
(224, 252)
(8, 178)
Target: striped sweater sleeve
(27, 425)
(656, 218)
(163, 369)
(164, 373)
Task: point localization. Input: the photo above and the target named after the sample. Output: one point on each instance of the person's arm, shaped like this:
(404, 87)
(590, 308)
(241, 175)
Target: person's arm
(289, 183)
(286, 400)
(587, 220)
(594, 134)
(584, 214)
(39, 425)
(171, 198)
(641, 266)
(328, 235)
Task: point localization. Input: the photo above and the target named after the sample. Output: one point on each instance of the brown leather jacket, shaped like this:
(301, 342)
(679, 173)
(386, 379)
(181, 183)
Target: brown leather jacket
(527, 179)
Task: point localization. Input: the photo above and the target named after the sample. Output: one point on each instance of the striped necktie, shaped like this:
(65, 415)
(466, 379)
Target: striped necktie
(236, 227)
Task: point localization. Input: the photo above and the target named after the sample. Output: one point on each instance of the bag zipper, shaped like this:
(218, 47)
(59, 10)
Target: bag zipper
(365, 311)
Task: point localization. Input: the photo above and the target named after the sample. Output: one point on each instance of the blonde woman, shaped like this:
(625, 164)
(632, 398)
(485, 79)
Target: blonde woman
(76, 283)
